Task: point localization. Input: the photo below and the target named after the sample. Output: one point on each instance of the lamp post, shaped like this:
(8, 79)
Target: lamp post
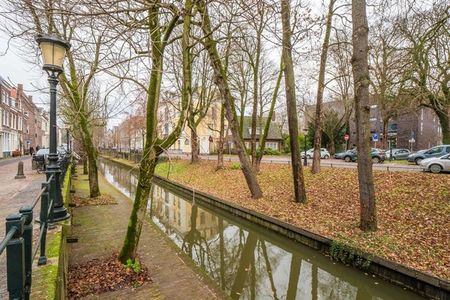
(305, 159)
(53, 52)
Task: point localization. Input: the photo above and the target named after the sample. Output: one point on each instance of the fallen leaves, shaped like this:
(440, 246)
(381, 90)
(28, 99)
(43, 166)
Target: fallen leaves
(100, 200)
(413, 208)
(103, 275)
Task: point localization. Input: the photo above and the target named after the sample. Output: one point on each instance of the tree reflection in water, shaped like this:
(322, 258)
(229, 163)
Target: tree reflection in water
(248, 261)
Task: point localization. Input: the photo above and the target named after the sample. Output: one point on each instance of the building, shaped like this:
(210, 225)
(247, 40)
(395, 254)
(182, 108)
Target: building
(413, 129)
(11, 121)
(207, 129)
(274, 138)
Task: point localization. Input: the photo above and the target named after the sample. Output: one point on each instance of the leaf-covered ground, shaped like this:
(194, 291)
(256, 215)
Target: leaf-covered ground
(104, 199)
(103, 275)
(413, 208)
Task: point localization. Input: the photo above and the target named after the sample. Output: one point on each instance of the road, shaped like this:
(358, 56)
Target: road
(330, 163)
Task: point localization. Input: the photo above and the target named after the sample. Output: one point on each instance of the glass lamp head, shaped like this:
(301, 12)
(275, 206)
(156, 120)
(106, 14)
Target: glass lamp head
(53, 52)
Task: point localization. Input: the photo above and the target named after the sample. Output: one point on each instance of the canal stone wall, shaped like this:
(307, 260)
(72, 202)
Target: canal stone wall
(419, 282)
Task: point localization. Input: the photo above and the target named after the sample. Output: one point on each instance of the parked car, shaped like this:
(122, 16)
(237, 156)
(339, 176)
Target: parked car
(42, 154)
(378, 155)
(437, 151)
(342, 155)
(436, 164)
(397, 154)
(310, 153)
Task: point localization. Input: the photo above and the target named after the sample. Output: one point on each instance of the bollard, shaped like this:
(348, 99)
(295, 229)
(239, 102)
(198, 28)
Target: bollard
(27, 213)
(20, 174)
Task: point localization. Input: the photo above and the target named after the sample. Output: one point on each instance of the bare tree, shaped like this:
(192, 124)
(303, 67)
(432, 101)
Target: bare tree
(221, 81)
(289, 81)
(320, 89)
(368, 217)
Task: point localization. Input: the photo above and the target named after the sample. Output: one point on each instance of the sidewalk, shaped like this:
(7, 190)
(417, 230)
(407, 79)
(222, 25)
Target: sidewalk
(100, 231)
(15, 193)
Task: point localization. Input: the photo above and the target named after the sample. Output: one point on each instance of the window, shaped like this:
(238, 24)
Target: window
(447, 150)
(435, 150)
(272, 145)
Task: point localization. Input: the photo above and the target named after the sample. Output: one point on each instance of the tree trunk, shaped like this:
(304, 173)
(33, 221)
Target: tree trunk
(255, 99)
(289, 81)
(368, 219)
(265, 133)
(221, 81)
(321, 86)
(91, 152)
(85, 166)
(94, 190)
(332, 147)
(194, 145)
(444, 120)
(385, 133)
(151, 148)
(137, 217)
(221, 138)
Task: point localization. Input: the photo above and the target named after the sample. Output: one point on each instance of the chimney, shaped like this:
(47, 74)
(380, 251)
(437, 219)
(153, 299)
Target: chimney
(20, 88)
(30, 99)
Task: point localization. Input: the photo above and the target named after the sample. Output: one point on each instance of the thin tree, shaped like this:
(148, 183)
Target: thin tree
(320, 89)
(221, 81)
(360, 65)
(291, 104)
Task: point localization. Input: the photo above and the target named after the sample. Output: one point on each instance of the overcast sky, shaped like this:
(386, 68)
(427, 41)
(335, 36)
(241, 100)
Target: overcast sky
(15, 69)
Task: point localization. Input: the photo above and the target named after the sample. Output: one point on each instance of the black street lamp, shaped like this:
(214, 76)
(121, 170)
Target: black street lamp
(305, 159)
(53, 52)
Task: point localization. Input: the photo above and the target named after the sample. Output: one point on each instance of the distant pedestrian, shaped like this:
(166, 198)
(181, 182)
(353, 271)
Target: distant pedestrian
(31, 150)
(37, 148)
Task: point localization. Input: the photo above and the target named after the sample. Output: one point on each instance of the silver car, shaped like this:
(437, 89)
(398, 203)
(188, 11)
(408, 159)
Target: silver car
(436, 164)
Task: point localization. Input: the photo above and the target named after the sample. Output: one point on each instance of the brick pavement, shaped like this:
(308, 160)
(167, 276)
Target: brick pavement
(15, 193)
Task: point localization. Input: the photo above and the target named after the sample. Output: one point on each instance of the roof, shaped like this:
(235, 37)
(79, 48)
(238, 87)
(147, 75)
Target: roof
(274, 129)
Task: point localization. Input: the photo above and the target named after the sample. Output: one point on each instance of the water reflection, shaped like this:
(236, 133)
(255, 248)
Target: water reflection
(248, 261)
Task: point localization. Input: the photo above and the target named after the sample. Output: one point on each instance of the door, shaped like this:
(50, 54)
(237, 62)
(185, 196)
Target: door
(204, 145)
(446, 162)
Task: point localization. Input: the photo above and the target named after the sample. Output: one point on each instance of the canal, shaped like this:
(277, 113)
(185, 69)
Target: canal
(246, 260)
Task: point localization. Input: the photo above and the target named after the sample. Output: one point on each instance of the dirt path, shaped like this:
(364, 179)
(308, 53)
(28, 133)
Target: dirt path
(100, 231)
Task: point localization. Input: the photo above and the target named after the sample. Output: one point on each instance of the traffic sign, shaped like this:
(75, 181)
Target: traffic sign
(346, 137)
(375, 137)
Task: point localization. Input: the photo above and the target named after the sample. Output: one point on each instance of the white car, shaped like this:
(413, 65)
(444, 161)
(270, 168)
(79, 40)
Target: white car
(310, 153)
(436, 164)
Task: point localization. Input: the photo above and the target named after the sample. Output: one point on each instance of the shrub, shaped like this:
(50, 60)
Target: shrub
(235, 166)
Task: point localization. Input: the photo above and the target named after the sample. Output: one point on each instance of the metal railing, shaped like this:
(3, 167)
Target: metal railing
(18, 241)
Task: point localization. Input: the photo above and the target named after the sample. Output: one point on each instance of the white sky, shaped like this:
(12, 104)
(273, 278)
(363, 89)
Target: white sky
(15, 70)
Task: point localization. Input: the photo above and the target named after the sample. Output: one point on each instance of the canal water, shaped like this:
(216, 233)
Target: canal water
(246, 260)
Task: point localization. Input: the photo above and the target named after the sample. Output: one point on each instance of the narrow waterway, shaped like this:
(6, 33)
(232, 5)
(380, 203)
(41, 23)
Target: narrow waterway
(246, 260)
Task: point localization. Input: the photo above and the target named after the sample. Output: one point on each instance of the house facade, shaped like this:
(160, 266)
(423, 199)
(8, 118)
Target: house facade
(11, 121)
(274, 138)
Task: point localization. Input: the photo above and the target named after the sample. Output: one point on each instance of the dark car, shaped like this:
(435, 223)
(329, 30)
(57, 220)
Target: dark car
(343, 155)
(437, 151)
(397, 154)
(378, 155)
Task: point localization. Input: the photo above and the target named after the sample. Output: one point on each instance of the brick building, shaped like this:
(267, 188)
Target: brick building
(412, 129)
(11, 121)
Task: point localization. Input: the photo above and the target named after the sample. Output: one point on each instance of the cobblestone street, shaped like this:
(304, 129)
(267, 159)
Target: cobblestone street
(15, 193)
